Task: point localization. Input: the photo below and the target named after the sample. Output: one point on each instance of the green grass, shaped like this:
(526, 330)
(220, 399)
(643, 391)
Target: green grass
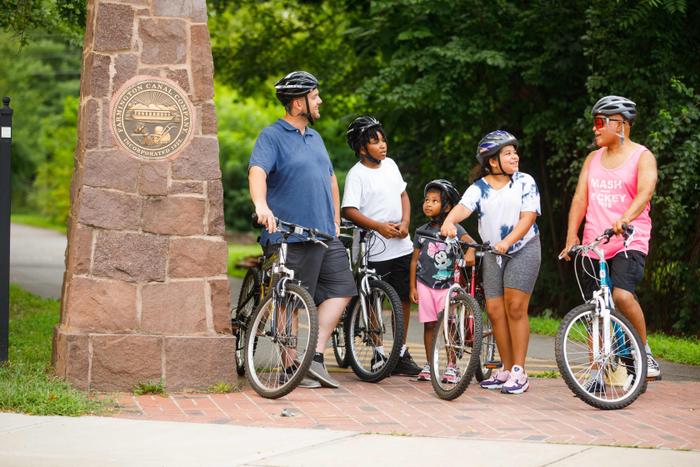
(150, 387)
(236, 253)
(544, 325)
(36, 220)
(684, 350)
(675, 349)
(26, 382)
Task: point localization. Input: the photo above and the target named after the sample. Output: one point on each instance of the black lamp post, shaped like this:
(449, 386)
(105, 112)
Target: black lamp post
(5, 191)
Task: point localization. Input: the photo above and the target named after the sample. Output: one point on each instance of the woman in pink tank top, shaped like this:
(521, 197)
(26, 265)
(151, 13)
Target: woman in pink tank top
(610, 194)
(614, 188)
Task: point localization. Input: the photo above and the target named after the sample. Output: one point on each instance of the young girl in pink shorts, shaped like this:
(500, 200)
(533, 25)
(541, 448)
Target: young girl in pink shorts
(431, 267)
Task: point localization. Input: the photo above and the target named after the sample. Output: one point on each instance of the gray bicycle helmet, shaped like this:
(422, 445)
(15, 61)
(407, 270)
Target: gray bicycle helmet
(295, 84)
(491, 144)
(611, 105)
(361, 131)
(449, 193)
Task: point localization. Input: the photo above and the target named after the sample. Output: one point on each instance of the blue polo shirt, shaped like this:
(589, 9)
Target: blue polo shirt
(299, 174)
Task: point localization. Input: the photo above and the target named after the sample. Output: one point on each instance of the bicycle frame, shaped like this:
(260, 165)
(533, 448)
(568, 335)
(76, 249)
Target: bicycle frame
(456, 288)
(279, 274)
(602, 297)
(603, 304)
(365, 274)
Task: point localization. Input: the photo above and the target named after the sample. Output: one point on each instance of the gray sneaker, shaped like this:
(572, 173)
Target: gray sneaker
(318, 372)
(308, 383)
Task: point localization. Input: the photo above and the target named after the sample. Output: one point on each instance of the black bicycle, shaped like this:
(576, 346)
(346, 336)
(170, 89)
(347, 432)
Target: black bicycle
(282, 330)
(372, 322)
(338, 335)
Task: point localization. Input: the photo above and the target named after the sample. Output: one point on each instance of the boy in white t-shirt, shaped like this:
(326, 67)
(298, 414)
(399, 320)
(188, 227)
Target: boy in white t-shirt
(375, 198)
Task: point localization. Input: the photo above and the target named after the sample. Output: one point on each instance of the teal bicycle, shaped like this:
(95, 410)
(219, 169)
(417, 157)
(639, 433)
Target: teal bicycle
(599, 353)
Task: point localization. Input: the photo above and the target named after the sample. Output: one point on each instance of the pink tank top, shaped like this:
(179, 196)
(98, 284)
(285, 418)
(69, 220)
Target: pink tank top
(610, 193)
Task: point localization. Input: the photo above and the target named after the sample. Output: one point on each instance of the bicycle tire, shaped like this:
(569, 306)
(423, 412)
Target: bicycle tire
(248, 300)
(359, 343)
(625, 367)
(488, 348)
(452, 350)
(338, 340)
(268, 353)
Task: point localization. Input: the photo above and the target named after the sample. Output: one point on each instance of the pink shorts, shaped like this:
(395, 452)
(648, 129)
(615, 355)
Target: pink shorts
(430, 302)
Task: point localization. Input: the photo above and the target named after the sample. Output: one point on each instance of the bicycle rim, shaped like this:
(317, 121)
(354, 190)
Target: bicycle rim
(610, 381)
(280, 342)
(383, 330)
(456, 347)
(247, 301)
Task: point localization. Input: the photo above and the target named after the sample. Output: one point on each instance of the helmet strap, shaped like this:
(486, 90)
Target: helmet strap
(307, 114)
(500, 166)
(369, 158)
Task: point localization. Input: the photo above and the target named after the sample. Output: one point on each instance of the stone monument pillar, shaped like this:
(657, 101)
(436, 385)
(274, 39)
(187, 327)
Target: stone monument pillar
(145, 292)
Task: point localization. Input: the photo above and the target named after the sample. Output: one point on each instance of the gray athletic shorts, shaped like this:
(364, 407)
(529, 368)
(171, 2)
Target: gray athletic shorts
(519, 272)
(324, 272)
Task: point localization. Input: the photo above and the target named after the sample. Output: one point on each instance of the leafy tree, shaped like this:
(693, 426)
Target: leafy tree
(440, 74)
(65, 18)
(51, 193)
(37, 76)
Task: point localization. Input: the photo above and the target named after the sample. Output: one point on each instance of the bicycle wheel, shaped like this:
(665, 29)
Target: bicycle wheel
(280, 341)
(487, 357)
(612, 380)
(248, 299)
(364, 341)
(456, 347)
(338, 341)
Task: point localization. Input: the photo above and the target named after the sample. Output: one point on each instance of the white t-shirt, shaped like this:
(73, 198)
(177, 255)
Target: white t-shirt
(499, 210)
(376, 193)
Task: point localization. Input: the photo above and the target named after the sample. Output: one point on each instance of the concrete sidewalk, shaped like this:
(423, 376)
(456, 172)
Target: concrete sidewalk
(91, 441)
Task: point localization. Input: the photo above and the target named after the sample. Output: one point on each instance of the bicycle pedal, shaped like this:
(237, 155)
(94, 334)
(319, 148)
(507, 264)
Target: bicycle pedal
(493, 364)
(653, 378)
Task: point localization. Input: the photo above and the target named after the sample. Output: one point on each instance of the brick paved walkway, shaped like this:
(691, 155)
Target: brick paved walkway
(667, 416)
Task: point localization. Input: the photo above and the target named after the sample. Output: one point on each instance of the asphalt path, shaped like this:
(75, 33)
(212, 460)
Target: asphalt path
(37, 263)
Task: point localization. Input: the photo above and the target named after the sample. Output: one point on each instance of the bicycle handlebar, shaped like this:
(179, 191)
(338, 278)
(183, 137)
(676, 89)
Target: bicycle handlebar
(291, 228)
(627, 234)
(485, 247)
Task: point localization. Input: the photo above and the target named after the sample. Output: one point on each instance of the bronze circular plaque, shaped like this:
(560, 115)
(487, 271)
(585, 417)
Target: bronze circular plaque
(152, 118)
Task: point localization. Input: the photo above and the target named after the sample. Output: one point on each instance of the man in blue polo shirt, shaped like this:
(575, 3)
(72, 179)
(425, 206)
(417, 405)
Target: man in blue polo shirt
(291, 176)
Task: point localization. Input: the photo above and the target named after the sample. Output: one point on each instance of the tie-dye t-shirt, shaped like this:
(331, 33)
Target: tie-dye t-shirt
(499, 210)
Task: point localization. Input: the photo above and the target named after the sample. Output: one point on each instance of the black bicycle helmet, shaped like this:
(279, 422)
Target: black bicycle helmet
(491, 144)
(295, 84)
(449, 193)
(361, 131)
(611, 105)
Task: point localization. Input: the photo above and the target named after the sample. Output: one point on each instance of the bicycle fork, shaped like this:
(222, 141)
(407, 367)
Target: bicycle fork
(365, 295)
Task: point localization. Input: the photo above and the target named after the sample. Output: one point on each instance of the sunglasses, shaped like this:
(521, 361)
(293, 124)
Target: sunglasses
(601, 122)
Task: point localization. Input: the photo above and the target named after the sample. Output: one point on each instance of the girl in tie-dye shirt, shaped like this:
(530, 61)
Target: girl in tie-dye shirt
(507, 203)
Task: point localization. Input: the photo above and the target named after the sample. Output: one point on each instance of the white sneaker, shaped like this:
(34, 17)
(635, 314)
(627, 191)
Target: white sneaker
(653, 370)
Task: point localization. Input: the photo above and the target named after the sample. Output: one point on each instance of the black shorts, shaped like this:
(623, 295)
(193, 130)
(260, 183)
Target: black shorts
(396, 272)
(324, 272)
(625, 272)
